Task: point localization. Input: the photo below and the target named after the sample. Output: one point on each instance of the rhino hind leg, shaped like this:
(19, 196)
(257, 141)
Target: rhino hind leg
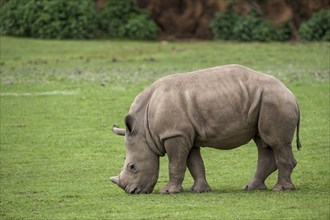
(286, 163)
(196, 167)
(266, 165)
(276, 128)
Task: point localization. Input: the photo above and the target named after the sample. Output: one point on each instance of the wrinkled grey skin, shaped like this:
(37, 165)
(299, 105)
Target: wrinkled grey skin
(222, 107)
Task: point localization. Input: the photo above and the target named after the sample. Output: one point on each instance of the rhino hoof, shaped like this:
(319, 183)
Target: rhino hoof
(283, 187)
(171, 189)
(253, 186)
(200, 189)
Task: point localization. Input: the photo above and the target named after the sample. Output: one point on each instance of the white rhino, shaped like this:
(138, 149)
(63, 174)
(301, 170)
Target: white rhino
(222, 107)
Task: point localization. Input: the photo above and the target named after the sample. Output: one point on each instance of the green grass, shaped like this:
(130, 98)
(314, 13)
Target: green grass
(59, 100)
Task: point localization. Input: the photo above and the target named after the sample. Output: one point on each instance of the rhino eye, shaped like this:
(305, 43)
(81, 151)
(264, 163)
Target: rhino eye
(131, 167)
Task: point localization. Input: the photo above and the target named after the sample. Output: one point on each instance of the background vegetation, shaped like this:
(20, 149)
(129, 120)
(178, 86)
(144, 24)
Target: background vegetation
(122, 19)
(252, 27)
(62, 19)
(48, 19)
(59, 99)
(317, 28)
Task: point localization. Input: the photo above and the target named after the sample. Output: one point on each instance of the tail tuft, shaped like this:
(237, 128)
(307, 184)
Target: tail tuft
(297, 134)
(298, 144)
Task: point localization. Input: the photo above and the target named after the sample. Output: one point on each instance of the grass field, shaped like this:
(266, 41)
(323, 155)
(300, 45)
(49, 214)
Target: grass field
(59, 100)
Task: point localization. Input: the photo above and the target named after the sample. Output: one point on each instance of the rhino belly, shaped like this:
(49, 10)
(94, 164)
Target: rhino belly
(227, 141)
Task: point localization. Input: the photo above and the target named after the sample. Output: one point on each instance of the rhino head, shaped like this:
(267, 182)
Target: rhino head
(141, 167)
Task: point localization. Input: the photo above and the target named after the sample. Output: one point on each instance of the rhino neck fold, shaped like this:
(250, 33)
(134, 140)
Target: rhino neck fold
(159, 151)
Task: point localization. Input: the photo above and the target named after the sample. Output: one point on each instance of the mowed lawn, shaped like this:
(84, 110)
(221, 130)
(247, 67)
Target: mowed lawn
(59, 100)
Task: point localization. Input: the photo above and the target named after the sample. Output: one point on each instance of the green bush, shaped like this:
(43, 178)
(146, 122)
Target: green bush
(140, 27)
(317, 27)
(122, 19)
(252, 27)
(48, 19)
(223, 23)
(9, 19)
(265, 31)
(244, 26)
(283, 33)
(114, 16)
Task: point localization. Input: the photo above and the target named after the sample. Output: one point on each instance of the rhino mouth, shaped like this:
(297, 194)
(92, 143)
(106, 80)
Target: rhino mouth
(135, 190)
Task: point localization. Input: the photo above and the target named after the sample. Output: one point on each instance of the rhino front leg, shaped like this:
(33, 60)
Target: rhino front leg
(266, 165)
(196, 167)
(177, 153)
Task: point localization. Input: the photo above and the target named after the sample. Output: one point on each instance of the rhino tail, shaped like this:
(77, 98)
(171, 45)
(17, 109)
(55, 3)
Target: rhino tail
(297, 134)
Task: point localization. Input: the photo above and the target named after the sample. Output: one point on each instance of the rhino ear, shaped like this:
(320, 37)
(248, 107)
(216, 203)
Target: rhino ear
(129, 122)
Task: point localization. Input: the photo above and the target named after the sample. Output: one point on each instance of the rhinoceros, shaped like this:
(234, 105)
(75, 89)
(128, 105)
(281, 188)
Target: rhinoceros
(222, 107)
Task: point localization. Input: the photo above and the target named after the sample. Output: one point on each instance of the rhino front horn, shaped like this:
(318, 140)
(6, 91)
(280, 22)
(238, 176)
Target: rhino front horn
(118, 131)
(115, 179)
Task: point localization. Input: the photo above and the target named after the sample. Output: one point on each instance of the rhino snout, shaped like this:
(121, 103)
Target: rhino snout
(131, 189)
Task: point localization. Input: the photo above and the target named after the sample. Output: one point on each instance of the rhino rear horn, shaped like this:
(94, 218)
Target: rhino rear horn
(118, 131)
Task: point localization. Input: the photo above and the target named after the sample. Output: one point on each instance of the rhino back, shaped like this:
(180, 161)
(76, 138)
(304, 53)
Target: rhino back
(216, 107)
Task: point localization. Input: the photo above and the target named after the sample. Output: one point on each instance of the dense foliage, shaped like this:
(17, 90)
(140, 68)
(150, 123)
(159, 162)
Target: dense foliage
(48, 19)
(122, 19)
(79, 19)
(317, 27)
(232, 26)
(75, 19)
